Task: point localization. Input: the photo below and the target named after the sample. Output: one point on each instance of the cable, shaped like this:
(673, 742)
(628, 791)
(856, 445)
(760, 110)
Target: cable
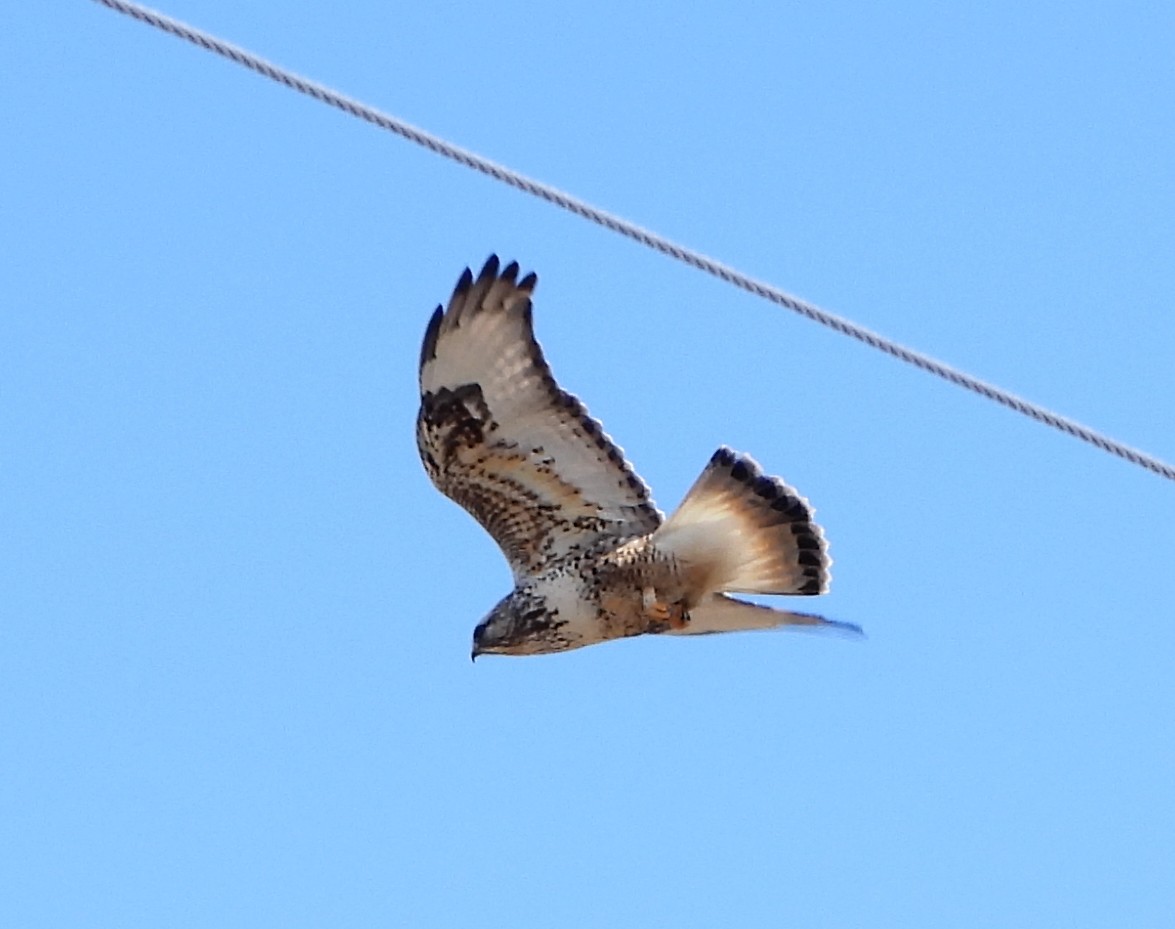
(637, 233)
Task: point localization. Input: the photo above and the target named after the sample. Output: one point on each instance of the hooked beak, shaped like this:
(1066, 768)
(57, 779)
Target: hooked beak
(477, 649)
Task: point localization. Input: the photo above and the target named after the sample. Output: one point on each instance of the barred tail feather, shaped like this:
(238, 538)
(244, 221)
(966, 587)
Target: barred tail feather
(739, 530)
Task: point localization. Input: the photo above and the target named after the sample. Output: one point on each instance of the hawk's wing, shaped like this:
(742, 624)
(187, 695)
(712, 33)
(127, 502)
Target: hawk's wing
(498, 435)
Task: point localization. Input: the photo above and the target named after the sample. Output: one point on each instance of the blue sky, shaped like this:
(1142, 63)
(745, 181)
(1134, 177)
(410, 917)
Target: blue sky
(235, 686)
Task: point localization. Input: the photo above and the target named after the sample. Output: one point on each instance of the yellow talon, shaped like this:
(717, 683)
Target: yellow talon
(671, 614)
(654, 608)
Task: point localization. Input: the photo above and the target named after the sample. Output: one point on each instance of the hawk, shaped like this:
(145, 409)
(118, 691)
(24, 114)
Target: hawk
(592, 556)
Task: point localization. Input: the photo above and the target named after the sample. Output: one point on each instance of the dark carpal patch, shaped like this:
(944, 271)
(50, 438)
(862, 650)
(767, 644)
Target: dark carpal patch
(458, 416)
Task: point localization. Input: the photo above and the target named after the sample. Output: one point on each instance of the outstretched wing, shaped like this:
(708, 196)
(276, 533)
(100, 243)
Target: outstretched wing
(498, 435)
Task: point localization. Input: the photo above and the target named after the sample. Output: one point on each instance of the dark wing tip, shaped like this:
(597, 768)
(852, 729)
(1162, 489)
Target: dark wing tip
(470, 290)
(724, 457)
(489, 269)
(428, 348)
(768, 487)
(791, 505)
(490, 272)
(744, 469)
(464, 282)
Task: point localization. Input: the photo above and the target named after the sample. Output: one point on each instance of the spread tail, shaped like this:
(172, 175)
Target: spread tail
(739, 530)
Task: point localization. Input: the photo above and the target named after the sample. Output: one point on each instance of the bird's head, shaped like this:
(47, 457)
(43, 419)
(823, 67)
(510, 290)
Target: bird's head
(518, 625)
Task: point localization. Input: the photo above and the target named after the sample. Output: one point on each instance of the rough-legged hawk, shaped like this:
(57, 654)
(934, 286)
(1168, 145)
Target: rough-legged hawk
(593, 558)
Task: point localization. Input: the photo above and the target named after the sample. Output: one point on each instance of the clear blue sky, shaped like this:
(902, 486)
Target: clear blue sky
(235, 686)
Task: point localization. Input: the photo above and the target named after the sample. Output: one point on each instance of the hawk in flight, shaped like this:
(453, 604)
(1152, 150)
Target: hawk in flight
(593, 558)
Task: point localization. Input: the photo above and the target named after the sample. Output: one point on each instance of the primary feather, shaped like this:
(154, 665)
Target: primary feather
(498, 435)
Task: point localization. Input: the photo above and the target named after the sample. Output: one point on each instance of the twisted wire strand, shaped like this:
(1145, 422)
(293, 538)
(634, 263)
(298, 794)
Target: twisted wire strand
(637, 233)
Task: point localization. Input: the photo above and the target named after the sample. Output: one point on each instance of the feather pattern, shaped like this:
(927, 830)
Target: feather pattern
(502, 439)
(593, 560)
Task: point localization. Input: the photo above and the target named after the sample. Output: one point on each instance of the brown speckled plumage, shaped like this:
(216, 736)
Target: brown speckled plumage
(592, 557)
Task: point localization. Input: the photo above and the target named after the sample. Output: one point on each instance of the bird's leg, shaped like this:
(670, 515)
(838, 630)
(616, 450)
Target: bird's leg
(662, 614)
(678, 617)
(655, 610)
